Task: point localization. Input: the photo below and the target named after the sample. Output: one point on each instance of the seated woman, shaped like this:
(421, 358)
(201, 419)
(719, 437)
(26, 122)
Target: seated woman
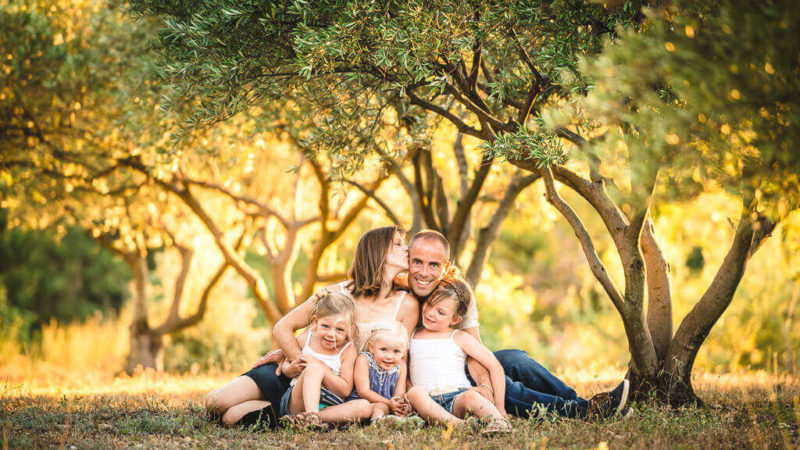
(381, 254)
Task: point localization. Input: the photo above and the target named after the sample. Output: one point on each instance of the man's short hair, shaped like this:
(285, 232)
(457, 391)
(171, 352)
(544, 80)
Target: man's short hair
(434, 235)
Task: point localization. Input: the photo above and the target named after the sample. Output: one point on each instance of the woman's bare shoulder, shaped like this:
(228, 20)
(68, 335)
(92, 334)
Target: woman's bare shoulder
(409, 309)
(408, 297)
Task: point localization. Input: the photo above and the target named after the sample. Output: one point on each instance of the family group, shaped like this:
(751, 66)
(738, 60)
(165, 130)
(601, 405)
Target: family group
(398, 341)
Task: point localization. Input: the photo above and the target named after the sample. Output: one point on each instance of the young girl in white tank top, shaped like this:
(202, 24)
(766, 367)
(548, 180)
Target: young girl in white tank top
(441, 392)
(328, 358)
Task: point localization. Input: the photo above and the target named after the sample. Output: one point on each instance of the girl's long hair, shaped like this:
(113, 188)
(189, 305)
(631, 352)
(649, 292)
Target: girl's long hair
(366, 272)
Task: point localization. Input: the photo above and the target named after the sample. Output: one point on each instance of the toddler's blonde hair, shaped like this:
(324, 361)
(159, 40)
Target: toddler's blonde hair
(393, 328)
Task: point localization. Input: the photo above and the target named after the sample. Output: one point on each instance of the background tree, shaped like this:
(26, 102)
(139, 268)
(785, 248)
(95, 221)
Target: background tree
(77, 101)
(688, 105)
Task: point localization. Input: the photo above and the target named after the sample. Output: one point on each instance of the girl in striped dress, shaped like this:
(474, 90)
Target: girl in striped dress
(327, 363)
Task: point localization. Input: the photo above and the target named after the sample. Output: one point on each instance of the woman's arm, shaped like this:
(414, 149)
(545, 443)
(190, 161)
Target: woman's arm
(483, 355)
(283, 331)
(361, 380)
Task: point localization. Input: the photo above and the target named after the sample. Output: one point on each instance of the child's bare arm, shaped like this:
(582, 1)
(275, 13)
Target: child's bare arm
(400, 389)
(483, 355)
(295, 367)
(361, 379)
(342, 384)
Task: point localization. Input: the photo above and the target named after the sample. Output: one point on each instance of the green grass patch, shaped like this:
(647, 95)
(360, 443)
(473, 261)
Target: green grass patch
(745, 416)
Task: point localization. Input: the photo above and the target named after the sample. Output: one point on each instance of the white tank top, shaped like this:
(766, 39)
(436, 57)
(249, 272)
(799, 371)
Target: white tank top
(365, 328)
(332, 361)
(437, 365)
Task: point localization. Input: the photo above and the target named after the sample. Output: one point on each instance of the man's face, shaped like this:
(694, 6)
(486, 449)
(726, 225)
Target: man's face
(426, 260)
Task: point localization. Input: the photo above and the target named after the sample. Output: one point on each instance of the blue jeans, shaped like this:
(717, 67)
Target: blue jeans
(446, 400)
(530, 388)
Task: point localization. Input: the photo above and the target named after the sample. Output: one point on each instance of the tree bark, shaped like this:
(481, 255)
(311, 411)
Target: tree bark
(281, 275)
(146, 350)
(455, 232)
(659, 291)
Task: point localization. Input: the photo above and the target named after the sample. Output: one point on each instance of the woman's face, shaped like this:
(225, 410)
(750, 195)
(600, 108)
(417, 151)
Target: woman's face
(397, 255)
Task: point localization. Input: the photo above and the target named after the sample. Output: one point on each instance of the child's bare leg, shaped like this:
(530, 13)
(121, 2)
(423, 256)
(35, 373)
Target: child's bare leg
(305, 394)
(352, 411)
(236, 412)
(311, 387)
(474, 403)
(429, 409)
(378, 410)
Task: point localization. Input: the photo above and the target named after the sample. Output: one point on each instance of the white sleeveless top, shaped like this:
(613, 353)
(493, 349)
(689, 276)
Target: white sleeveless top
(365, 328)
(332, 361)
(437, 365)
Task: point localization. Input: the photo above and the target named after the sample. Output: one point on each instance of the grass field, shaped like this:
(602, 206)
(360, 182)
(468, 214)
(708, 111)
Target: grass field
(752, 410)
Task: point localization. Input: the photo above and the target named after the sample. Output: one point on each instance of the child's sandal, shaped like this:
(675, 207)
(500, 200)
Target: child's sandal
(312, 421)
(497, 426)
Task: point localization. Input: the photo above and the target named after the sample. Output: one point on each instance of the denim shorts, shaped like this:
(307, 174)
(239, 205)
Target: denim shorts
(447, 399)
(326, 398)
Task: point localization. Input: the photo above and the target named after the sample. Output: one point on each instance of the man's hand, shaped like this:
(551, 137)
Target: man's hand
(273, 357)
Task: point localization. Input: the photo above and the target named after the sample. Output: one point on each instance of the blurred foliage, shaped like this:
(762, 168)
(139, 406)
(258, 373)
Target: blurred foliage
(50, 277)
(705, 96)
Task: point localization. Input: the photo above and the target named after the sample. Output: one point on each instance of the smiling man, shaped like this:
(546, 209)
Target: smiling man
(530, 388)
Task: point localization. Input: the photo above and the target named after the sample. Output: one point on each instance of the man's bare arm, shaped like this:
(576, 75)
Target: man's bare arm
(474, 332)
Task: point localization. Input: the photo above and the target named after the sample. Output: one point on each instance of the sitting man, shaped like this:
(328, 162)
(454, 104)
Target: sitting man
(530, 388)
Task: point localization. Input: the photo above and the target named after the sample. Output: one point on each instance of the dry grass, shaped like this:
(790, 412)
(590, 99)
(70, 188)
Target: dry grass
(157, 410)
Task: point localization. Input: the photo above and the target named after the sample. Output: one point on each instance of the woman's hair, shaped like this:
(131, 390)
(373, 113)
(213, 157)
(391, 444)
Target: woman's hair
(367, 269)
(392, 328)
(337, 304)
(453, 288)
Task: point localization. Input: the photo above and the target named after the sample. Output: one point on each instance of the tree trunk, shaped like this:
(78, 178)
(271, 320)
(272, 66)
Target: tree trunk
(281, 277)
(672, 383)
(662, 387)
(715, 300)
(147, 348)
(659, 291)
